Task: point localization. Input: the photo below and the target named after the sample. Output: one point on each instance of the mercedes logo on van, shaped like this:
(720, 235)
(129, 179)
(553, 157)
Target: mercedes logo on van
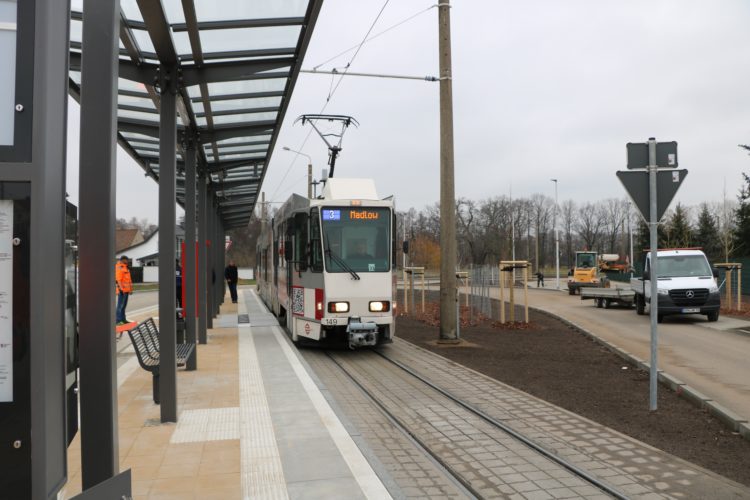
(690, 294)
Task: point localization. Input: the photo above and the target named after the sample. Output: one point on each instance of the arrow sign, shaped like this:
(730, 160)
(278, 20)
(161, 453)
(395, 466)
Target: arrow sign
(667, 184)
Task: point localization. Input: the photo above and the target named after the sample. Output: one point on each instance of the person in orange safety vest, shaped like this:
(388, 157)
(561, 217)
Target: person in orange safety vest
(124, 288)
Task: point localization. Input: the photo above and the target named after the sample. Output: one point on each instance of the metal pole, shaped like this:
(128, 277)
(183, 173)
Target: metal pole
(630, 231)
(189, 276)
(210, 242)
(447, 182)
(309, 180)
(652, 169)
(167, 247)
(202, 282)
(557, 240)
(98, 160)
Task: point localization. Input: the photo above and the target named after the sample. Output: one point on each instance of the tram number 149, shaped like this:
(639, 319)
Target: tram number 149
(331, 321)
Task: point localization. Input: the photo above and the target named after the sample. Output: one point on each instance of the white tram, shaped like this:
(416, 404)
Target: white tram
(325, 265)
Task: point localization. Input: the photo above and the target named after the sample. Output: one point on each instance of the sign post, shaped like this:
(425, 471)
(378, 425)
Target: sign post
(651, 184)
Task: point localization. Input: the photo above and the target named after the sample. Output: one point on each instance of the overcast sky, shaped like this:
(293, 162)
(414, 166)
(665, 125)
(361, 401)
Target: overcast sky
(541, 89)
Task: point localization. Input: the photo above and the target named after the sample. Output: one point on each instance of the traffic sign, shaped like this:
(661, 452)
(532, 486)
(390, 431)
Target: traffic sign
(667, 184)
(666, 154)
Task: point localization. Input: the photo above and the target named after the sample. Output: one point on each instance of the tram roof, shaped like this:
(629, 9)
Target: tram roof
(239, 62)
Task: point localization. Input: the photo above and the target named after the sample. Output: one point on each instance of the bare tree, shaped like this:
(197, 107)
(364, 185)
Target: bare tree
(614, 220)
(569, 214)
(589, 224)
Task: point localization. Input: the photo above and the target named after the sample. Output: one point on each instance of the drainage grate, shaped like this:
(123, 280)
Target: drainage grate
(243, 318)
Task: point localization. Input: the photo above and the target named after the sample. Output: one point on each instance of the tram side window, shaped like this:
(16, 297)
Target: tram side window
(394, 251)
(316, 253)
(300, 241)
(275, 258)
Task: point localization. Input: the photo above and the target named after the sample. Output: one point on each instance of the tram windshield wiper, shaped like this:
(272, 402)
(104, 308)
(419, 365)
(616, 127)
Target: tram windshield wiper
(341, 262)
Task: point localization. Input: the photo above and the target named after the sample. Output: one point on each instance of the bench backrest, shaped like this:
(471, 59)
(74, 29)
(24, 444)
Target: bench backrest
(144, 348)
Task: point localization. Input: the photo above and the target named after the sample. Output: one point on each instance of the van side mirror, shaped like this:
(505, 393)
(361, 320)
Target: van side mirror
(715, 272)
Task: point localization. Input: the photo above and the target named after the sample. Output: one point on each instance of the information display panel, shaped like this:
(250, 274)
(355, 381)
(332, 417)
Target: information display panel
(17, 70)
(15, 401)
(8, 30)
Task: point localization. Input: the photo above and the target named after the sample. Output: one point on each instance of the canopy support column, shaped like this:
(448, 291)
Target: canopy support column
(189, 275)
(98, 160)
(203, 277)
(167, 246)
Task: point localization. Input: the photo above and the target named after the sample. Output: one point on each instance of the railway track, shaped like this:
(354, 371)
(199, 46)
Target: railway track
(437, 422)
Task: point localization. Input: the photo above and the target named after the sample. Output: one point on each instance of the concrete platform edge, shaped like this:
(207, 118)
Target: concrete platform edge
(733, 421)
(353, 431)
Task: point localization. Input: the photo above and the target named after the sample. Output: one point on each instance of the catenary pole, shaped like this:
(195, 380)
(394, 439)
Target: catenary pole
(447, 183)
(652, 169)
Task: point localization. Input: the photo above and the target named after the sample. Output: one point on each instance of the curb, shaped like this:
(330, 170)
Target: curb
(734, 422)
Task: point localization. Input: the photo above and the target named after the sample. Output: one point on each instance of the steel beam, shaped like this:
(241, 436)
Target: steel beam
(265, 127)
(233, 71)
(242, 23)
(229, 165)
(203, 276)
(98, 160)
(189, 276)
(167, 249)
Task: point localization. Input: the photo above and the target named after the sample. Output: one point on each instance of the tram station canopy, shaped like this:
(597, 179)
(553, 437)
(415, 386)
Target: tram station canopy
(237, 62)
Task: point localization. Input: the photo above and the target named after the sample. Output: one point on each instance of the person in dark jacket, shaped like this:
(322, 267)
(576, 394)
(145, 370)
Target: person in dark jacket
(539, 279)
(230, 274)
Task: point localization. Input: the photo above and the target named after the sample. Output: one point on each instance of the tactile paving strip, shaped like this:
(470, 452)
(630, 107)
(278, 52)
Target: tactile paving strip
(213, 424)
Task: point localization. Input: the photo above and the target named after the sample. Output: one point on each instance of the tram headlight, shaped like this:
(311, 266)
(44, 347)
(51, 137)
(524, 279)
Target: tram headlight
(380, 306)
(338, 307)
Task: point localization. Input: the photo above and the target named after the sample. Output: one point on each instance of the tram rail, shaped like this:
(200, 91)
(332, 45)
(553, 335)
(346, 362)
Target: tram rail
(450, 471)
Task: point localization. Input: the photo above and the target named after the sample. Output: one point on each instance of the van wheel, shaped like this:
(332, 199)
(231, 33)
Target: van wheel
(599, 303)
(640, 305)
(607, 303)
(713, 316)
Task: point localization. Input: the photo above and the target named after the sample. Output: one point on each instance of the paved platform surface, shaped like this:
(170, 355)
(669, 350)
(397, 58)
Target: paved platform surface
(252, 424)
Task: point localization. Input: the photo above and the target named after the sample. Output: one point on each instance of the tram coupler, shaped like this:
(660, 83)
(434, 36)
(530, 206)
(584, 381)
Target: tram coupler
(362, 334)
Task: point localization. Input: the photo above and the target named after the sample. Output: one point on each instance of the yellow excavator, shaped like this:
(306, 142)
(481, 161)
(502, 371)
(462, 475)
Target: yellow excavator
(585, 273)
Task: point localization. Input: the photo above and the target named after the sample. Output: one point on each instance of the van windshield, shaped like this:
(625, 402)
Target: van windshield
(358, 236)
(674, 266)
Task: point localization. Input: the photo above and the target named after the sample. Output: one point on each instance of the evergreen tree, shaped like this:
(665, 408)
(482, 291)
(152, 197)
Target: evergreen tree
(742, 233)
(707, 235)
(677, 232)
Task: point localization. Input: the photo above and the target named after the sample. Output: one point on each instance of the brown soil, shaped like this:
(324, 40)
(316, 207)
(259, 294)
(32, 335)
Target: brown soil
(558, 364)
(744, 313)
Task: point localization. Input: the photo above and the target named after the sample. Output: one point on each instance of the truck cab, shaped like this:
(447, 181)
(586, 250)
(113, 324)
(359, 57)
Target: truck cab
(686, 284)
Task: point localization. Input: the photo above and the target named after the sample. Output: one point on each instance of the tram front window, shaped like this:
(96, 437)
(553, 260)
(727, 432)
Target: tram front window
(356, 238)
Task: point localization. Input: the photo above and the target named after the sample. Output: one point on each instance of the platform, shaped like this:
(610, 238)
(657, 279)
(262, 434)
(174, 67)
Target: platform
(252, 424)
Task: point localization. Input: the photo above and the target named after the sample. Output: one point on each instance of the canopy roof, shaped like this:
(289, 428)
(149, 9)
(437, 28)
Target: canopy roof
(238, 62)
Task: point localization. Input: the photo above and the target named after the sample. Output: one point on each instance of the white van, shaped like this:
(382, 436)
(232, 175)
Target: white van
(686, 285)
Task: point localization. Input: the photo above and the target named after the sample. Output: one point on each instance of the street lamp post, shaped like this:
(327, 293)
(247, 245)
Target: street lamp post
(557, 239)
(309, 170)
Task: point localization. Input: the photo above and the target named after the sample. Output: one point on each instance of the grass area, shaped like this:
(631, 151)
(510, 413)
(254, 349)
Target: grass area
(245, 282)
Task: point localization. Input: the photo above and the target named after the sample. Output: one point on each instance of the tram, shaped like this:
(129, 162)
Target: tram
(325, 265)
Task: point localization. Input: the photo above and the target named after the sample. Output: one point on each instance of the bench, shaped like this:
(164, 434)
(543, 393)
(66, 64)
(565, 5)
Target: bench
(145, 339)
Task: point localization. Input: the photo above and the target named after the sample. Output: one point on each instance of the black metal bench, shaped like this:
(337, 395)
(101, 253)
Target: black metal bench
(145, 339)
